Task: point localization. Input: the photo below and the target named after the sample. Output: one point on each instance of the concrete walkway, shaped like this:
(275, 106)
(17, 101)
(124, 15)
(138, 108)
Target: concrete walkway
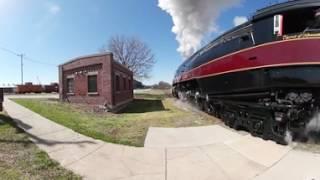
(212, 152)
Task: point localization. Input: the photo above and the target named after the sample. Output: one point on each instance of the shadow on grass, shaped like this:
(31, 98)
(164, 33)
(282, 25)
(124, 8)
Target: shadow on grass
(144, 106)
(22, 127)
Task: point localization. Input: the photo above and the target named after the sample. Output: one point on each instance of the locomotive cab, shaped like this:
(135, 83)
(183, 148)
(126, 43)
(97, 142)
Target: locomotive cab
(298, 23)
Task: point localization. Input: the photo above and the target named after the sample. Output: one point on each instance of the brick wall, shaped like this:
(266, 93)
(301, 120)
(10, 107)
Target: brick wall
(106, 69)
(125, 91)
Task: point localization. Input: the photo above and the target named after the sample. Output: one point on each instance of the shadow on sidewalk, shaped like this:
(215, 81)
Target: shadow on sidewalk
(21, 127)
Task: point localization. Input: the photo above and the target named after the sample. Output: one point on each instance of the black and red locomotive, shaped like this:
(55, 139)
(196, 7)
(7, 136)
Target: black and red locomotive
(263, 75)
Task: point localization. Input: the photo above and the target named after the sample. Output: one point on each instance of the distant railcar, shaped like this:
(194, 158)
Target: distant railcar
(29, 88)
(54, 87)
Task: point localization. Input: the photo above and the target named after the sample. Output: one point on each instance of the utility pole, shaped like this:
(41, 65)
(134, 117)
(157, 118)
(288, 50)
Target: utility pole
(21, 58)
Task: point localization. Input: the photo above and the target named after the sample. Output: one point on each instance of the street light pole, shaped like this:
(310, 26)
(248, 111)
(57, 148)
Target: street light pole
(21, 58)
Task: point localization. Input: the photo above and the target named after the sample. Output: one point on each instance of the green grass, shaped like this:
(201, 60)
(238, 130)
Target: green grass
(127, 127)
(21, 159)
(151, 96)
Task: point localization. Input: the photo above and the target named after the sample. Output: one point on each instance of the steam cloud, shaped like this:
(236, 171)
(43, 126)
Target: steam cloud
(193, 20)
(314, 124)
(238, 20)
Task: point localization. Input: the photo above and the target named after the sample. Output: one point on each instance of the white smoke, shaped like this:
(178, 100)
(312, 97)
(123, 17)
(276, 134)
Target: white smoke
(314, 124)
(288, 137)
(193, 19)
(238, 20)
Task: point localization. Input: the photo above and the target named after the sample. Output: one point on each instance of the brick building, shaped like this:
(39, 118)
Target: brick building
(96, 79)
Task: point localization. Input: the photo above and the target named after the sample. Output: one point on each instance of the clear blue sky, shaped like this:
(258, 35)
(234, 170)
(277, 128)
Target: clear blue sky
(55, 31)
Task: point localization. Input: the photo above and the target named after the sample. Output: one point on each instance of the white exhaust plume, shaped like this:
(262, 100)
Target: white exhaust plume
(288, 137)
(238, 20)
(314, 124)
(193, 19)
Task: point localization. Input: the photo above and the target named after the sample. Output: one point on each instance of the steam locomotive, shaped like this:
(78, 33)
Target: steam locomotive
(262, 76)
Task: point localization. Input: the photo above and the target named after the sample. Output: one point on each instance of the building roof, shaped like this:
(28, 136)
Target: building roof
(95, 55)
(86, 56)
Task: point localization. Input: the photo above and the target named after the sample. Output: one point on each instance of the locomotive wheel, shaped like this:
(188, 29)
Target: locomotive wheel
(207, 107)
(236, 125)
(265, 137)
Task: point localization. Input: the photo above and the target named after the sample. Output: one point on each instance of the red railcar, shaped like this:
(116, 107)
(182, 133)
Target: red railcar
(263, 75)
(31, 88)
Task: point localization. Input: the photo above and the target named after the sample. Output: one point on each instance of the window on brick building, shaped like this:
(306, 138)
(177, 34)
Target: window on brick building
(124, 83)
(117, 83)
(92, 84)
(129, 84)
(70, 85)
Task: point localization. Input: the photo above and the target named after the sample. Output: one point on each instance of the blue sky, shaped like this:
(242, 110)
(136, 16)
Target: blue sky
(53, 32)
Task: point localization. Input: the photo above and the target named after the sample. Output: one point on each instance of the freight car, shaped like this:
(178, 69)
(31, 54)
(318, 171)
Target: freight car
(262, 76)
(28, 88)
(53, 87)
(31, 88)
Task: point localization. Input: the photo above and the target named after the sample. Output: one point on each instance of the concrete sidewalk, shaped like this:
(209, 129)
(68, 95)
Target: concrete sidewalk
(212, 152)
(90, 158)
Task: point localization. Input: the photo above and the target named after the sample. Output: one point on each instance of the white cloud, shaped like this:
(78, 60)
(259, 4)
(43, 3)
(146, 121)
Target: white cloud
(238, 20)
(193, 20)
(54, 9)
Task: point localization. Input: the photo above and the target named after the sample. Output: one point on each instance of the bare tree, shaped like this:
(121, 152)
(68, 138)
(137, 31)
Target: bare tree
(132, 53)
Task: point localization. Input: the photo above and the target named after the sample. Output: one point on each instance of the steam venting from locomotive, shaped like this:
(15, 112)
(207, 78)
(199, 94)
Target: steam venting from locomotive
(193, 20)
(311, 132)
(313, 128)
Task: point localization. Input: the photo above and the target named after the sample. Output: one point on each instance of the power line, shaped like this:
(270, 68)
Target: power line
(26, 57)
(9, 51)
(39, 62)
(22, 58)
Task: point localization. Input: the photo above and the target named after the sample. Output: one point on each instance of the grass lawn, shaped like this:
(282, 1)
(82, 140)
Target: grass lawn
(128, 127)
(21, 159)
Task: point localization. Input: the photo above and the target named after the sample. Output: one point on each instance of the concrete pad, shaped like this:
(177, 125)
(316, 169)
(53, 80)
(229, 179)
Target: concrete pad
(146, 177)
(188, 137)
(258, 150)
(144, 160)
(75, 152)
(59, 140)
(104, 163)
(235, 165)
(192, 164)
(297, 165)
(121, 162)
